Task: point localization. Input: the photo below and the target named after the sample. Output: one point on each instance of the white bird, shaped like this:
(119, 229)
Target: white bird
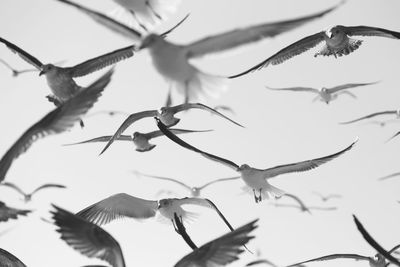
(61, 79)
(389, 176)
(9, 260)
(57, 121)
(337, 42)
(257, 179)
(325, 94)
(140, 140)
(173, 60)
(194, 190)
(7, 213)
(28, 196)
(372, 115)
(165, 114)
(325, 198)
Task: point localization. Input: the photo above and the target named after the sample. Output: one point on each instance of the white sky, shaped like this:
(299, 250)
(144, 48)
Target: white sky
(280, 128)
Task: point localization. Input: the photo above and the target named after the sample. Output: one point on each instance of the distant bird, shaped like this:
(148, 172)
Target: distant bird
(325, 94)
(337, 42)
(266, 262)
(389, 176)
(61, 79)
(173, 61)
(28, 197)
(372, 115)
(106, 112)
(165, 114)
(325, 198)
(257, 179)
(140, 140)
(94, 242)
(301, 205)
(383, 123)
(15, 72)
(194, 190)
(7, 213)
(9, 260)
(57, 121)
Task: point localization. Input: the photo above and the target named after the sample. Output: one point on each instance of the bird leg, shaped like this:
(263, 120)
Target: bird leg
(255, 197)
(260, 197)
(138, 21)
(186, 92)
(168, 102)
(153, 10)
(53, 99)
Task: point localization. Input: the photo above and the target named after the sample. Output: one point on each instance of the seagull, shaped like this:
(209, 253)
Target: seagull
(57, 121)
(94, 242)
(61, 79)
(15, 72)
(372, 115)
(257, 179)
(337, 42)
(325, 198)
(28, 197)
(389, 176)
(165, 114)
(194, 190)
(7, 213)
(172, 60)
(325, 94)
(9, 260)
(140, 140)
(301, 206)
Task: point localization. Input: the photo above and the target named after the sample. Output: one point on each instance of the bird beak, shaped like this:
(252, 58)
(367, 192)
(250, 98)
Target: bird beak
(330, 35)
(41, 73)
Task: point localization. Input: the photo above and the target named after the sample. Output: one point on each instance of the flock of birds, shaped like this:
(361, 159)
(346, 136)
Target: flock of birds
(82, 231)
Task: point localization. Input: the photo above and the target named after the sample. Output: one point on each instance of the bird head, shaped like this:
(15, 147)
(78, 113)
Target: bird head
(380, 259)
(48, 68)
(150, 40)
(335, 32)
(163, 203)
(244, 167)
(135, 135)
(195, 191)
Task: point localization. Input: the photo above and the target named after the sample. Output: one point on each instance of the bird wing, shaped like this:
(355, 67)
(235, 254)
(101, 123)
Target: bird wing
(219, 180)
(87, 238)
(371, 116)
(165, 34)
(8, 259)
(105, 138)
(394, 249)
(370, 31)
(347, 86)
(48, 186)
(297, 199)
(7, 213)
(390, 176)
(119, 206)
(57, 121)
(333, 257)
(288, 52)
(265, 261)
(304, 165)
(158, 133)
(220, 251)
(347, 93)
(182, 143)
(14, 186)
(238, 37)
(101, 62)
(165, 178)
(182, 107)
(295, 89)
(23, 54)
(393, 136)
(128, 122)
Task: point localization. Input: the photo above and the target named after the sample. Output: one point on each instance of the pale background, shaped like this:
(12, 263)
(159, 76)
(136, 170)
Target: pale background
(280, 128)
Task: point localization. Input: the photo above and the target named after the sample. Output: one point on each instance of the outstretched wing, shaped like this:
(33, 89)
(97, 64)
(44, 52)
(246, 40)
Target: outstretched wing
(388, 112)
(8, 259)
(7, 213)
(219, 180)
(348, 86)
(389, 176)
(333, 257)
(119, 206)
(370, 31)
(295, 89)
(13, 186)
(48, 186)
(105, 138)
(304, 165)
(57, 121)
(158, 133)
(247, 35)
(23, 54)
(220, 251)
(165, 179)
(87, 238)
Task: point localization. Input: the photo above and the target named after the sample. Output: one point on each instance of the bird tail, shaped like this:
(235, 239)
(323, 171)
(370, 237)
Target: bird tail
(270, 191)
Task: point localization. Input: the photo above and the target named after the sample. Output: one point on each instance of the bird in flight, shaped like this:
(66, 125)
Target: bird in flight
(57, 121)
(325, 94)
(9, 260)
(392, 175)
(7, 213)
(194, 190)
(140, 140)
(257, 179)
(61, 79)
(15, 72)
(28, 196)
(325, 198)
(372, 115)
(173, 60)
(337, 42)
(165, 114)
(301, 205)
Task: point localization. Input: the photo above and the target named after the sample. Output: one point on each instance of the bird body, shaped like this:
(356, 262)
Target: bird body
(60, 83)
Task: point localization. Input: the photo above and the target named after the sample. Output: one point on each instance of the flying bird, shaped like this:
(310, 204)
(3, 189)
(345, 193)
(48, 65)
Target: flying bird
(389, 176)
(173, 60)
(325, 198)
(337, 42)
(194, 190)
(15, 72)
(61, 79)
(325, 94)
(9, 260)
(257, 179)
(372, 115)
(140, 140)
(165, 114)
(301, 205)
(28, 197)
(7, 213)
(57, 121)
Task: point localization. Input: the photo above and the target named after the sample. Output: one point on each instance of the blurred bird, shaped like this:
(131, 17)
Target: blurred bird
(389, 176)
(173, 60)
(194, 190)
(165, 114)
(372, 115)
(7, 213)
(337, 42)
(325, 198)
(325, 94)
(301, 205)
(28, 197)
(110, 113)
(57, 121)
(257, 179)
(61, 79)
(9, 260)
(140, 140)
(15, 72)
(266, 262)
